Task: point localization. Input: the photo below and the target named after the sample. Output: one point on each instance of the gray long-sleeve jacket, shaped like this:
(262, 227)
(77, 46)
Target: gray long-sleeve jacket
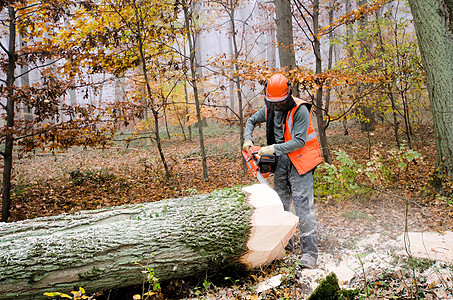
(301, 122)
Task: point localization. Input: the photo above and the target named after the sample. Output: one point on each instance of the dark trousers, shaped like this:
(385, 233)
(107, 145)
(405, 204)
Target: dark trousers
(298, 189)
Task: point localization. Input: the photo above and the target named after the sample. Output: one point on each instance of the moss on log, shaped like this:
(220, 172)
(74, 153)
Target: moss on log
(109, 248)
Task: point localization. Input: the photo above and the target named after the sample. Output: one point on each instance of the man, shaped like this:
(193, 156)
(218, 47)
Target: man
(291, 137)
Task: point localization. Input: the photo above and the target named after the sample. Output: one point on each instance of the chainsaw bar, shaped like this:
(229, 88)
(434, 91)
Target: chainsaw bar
(261, 179)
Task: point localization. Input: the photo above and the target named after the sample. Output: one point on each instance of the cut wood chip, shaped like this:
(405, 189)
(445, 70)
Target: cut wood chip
(270, 283)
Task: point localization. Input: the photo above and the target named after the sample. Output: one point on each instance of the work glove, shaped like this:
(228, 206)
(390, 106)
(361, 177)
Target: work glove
(247, 145)
(267, 150)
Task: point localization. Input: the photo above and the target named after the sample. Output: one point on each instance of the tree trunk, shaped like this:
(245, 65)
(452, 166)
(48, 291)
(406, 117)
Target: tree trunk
(232, 104)
(395, 116)
(320, 112)
(25, 82)
(330, 55)
(181, 125)
(285, 39)
(236, 79)
(390, 94)
(195, 88)
(154, 110)
(367, 111)
(9, 139)
(434, 27)
(109, 248)
(166, 123)
(186, 97)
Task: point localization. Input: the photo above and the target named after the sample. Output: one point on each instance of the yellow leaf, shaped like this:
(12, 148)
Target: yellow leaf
(137, 297)
(82, 290)
(65, 296)
(51, 294)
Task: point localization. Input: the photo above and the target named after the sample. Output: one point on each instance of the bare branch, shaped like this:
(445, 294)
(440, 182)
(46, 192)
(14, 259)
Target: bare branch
(303, 30)
(37, 67)
(4, 49)
(303, 17)
(355, 101)
(28, 6)
(303, 6)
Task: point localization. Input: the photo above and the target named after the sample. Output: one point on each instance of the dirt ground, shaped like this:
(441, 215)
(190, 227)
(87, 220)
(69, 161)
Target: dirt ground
(365, 243)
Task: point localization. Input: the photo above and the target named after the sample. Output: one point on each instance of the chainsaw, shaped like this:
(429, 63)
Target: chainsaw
(261, 166)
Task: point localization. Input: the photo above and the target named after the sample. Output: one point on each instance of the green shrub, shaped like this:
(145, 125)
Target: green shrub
(347, 178)
(338, 181)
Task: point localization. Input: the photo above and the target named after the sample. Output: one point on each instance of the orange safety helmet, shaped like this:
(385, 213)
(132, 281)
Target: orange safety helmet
(277, 93)
(277, 88)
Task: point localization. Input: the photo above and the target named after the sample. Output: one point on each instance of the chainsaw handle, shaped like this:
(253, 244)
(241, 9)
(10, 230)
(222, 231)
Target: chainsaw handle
(252, 155)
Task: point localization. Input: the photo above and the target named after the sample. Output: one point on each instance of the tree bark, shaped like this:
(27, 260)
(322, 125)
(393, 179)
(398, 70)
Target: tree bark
(186, 98)
(24, 75)
(433, 21)
(9, 139)
(109, 248)
(285, 38)
(285, 33)
(331, 10)
(320, 111)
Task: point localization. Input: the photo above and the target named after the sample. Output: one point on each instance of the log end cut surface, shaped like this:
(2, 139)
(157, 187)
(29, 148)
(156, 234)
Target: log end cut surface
(272, 226)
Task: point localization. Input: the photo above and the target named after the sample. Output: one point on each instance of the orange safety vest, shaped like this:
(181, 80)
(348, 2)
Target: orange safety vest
(309, 156)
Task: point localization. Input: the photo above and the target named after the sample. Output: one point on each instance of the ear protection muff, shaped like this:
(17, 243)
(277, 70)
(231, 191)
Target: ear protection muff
(290, 88)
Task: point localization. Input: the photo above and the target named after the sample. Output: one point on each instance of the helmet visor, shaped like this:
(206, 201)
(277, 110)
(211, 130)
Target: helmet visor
(282, 105)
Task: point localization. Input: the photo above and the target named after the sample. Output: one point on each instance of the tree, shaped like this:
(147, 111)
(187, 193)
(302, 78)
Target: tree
(10, 110)
(134, 39)
(384, 47)
(331, 10)
(56, 125)
(188, 25)
(110, 248)
(434, 27)
(230, 7)
(321, 110)
(237, 55)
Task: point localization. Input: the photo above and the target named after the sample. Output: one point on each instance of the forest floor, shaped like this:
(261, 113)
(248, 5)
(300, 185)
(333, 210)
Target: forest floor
(361, 237)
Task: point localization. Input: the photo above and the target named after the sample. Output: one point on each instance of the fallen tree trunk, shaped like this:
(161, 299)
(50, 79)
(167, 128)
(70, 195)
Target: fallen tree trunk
(109, 248)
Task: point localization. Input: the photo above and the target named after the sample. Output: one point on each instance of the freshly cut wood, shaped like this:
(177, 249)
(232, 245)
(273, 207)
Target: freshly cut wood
(109, 248)
(271, 229)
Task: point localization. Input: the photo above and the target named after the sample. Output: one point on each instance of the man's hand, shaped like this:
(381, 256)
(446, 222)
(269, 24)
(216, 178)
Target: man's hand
(267, 150)
(247, 145)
